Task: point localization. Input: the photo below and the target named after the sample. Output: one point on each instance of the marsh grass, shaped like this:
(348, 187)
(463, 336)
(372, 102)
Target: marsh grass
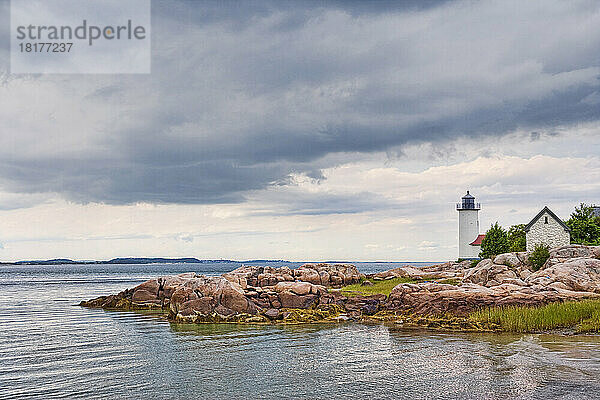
(581, 315)
(591, 324)
(379, 287)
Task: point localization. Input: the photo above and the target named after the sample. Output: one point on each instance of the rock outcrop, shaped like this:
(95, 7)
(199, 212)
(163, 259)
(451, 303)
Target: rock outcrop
(430, 298)
(327, 275)
(571, 273)
(242, 294)
(440, 271)
(185, 297)
(266, 294)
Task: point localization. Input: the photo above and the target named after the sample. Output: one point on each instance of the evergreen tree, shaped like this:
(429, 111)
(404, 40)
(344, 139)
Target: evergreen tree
(495, 242)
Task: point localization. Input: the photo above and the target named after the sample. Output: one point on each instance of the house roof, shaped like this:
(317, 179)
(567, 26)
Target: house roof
(546, 210)
(477, 242)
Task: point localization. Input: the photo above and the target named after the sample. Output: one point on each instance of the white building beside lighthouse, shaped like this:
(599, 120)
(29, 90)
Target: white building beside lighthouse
(469, 239)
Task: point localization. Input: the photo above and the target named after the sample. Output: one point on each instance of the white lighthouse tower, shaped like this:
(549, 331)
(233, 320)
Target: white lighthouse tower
(469, 240)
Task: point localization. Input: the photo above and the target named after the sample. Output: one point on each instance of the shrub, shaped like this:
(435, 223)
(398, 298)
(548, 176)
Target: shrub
(495, 242)
(539, 256)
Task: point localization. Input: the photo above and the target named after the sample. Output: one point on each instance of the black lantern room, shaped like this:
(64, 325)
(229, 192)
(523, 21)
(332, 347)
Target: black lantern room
(468, 203)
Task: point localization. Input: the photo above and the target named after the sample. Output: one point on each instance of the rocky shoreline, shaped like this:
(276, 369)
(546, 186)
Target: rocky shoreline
(439, 296)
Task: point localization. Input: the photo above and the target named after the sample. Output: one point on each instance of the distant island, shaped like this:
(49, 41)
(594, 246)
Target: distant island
(133, 260)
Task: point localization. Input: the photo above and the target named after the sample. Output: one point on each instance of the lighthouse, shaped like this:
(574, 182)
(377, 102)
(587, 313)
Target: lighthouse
(469, 239)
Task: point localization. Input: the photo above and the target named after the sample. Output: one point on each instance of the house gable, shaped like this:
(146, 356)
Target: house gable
(549, 212)
(547, 229)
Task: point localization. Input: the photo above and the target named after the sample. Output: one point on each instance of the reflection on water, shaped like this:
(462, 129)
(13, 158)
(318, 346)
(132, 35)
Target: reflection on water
(341, 361)
(51, 348)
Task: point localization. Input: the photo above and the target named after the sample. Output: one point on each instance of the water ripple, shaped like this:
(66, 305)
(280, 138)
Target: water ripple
(50, 348)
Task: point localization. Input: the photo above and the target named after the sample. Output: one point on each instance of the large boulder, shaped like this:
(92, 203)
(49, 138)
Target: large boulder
(488, 273)
(198, 306)
(168, 284)
(580, 274)
(308, 274)
(298, 294)
(561, 254)
(510, 259)
(147, 292)
(359, 305)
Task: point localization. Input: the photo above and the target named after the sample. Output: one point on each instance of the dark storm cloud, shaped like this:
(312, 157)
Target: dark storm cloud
(236, 12)
(244, 94)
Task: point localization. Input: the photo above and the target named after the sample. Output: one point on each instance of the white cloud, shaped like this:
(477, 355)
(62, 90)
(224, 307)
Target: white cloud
(416, 219)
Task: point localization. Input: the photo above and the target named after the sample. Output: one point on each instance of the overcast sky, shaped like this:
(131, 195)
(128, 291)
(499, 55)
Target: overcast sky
(306, 131)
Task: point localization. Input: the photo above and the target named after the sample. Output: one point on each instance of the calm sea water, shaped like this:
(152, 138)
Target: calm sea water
(51, 348)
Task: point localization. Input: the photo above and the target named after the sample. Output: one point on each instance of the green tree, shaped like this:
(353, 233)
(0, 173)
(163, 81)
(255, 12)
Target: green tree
(495, 242)
(585, 227)
(516, 238)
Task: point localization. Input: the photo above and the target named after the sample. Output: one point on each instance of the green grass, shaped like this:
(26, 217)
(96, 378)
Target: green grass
(581, 315)
(379, 287)
(449, 281)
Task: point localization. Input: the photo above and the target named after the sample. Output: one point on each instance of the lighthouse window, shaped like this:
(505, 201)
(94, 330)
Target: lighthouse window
(545, 220)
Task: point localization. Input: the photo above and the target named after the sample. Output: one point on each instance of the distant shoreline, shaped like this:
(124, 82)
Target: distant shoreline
(131, 260)
(187, 260)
